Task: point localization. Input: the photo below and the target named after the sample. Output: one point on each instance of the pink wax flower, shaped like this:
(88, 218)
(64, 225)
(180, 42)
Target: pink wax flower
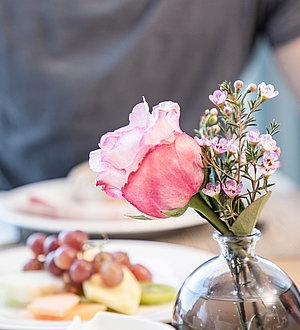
(231, 188)
(267, 142)
(232, 146)
(268, 171)
(218, 97)
(267, 91)
(277, 151)
(150, 162)
(253, 136)
(203, 142)
(211, 189)
(227, 110)
(270, 160)
(219, 145)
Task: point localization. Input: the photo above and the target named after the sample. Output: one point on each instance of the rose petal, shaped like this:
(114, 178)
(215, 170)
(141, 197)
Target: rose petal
(140, 115)
(165, 180)
(111, 180)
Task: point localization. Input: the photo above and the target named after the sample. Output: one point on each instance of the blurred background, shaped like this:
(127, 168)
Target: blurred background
(72, 70)
(264, 67)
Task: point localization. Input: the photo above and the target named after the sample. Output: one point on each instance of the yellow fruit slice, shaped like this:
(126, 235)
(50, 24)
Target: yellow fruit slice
(123, 298)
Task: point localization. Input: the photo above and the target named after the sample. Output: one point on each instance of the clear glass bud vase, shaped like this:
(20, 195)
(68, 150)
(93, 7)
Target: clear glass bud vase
(237, 290)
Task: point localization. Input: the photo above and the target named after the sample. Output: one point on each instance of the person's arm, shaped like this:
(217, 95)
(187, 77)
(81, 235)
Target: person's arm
(288, 57)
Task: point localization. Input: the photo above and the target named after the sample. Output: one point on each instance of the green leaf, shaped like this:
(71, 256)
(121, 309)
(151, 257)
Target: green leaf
(138, 217)
(246, 221)
(198, 203)
(175, 212)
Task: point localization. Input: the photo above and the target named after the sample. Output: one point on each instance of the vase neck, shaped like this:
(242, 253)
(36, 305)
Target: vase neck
(241, 247)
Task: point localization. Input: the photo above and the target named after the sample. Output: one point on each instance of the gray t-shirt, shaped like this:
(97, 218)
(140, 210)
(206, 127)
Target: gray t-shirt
(70, 70)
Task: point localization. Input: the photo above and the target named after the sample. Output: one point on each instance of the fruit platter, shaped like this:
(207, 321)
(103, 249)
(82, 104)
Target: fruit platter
(58, 277)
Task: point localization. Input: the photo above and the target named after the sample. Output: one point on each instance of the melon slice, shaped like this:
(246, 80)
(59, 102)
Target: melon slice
(54, 306)
(85, 311)
(123, 298)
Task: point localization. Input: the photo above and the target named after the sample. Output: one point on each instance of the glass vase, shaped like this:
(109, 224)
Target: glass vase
(237, 290)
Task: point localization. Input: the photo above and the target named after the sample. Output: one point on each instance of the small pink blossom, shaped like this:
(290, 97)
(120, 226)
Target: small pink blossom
(252, 88)
(203, 142)
(211, 189)
(232, 146)
(227, 110)
(267, 142)
(267, 91)
(238, 84)
(270, 160)
(231, 188)
(218, 97)
(219, 145)
(267, 172)
(214, 112)
(277, 151)
(253, 136)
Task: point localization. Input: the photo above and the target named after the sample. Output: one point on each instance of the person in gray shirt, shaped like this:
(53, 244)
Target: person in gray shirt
(70, 70)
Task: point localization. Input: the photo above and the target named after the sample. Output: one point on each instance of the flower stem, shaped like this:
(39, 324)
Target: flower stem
(198, 204)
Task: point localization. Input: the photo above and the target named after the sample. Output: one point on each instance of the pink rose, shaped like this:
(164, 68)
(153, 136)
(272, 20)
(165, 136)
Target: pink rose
(150, 162)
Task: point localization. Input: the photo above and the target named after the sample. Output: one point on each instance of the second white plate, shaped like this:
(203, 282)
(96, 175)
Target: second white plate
(169, 263)
(105, 217)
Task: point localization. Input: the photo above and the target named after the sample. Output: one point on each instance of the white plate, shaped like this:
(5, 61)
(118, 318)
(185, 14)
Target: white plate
(169, 263)
(106, 217)
(112, 321)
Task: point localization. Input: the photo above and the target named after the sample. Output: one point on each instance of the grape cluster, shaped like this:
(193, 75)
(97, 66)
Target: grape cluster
(62, 255)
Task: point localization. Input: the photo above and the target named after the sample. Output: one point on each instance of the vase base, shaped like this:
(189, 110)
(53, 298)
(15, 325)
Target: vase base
(225, 314)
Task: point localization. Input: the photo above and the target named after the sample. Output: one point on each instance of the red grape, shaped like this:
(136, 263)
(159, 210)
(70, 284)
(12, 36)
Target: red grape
(50, 265)
(64, 257)
(33, 264)
(100, 258)
(74, 239)
(35, 243)
(80, 271)
(122, 258)
(141, 273)
(111, 273)
(50, 244)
